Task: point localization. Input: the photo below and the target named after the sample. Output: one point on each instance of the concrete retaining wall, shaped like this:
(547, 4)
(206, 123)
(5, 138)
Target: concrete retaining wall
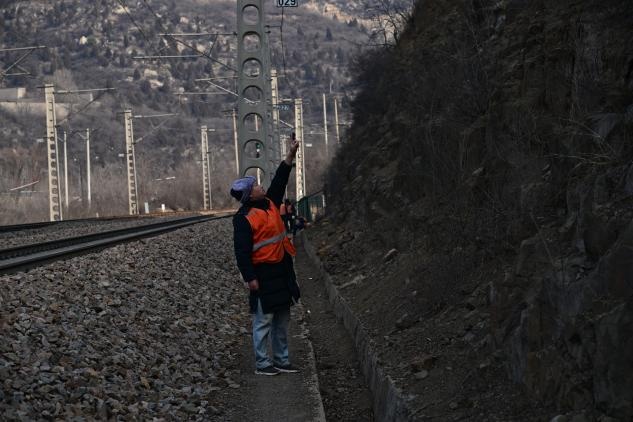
(389, 403)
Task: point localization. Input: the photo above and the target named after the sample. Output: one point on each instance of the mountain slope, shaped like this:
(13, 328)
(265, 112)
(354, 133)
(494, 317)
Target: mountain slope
(498, 164)
(94, 45)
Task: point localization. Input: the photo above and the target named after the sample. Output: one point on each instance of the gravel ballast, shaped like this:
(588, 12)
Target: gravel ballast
(141, 330)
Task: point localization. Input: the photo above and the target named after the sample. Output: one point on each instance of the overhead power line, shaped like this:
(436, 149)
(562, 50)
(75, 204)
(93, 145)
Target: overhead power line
(198, 34)
(129, 15)
(154, 128)
(100, 91)
(187, 56)
(151, 116)
(16, 63)
(204, 54)
(173, 37)
(203, 93)
(4, 50)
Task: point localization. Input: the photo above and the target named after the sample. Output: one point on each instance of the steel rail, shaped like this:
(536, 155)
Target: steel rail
(27, 255)
(37, 225)
(29, 226)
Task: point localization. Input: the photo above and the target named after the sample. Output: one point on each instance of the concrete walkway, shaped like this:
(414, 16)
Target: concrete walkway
(284, 397)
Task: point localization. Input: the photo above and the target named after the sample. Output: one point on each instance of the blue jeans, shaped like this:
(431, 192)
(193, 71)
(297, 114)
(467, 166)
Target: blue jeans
(275, 327)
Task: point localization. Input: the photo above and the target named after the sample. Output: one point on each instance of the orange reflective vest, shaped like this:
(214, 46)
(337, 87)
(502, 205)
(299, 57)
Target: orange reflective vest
(269, 235)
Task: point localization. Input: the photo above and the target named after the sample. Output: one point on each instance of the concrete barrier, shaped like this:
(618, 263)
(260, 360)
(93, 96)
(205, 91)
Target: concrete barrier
(389, 402)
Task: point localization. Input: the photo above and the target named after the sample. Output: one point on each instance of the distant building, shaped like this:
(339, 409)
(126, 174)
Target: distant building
(12, 94)
(14, 100)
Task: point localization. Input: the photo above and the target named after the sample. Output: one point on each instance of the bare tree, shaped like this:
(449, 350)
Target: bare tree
(389, 17)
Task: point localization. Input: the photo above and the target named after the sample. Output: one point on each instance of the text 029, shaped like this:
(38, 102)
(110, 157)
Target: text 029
(287, 3)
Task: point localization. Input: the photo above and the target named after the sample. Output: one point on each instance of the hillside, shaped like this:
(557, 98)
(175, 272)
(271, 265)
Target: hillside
(98, 44)
(497, 165)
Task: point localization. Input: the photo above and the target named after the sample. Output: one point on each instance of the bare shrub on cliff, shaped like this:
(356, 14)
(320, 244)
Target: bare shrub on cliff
(440, 92)
(389, 18)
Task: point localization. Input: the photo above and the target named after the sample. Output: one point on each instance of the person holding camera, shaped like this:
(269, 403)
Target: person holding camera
(264, 257)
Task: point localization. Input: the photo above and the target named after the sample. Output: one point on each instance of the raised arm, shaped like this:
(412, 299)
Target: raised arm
(277, 187)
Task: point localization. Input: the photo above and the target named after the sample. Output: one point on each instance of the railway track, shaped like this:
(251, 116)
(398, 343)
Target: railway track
(40, 224)
(30, 255)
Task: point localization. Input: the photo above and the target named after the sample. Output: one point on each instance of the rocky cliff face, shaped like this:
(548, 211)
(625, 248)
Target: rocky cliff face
(494, 140)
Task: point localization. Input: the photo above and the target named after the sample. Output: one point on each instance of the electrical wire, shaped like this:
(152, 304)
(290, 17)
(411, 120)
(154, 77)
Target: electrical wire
(215, 40)
(153, 129)
(82, 109)
(129, 15)
(202, 54)
(29, 41)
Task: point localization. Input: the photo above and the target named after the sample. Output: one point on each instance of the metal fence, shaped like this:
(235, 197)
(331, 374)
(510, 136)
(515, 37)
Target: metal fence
(312, 207)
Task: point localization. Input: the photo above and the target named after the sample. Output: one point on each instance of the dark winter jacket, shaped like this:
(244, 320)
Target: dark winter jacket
(278, 288)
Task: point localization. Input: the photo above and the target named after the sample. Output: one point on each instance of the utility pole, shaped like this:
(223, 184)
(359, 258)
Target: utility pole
(258, 152)
(49, 98)
(338, 137)
(270, 99)
(300, 169)
(272, 140)
(206, 190)
(88, 171)
(275, 104)
(131, 164)
(65, 171)
(327, 155)
(89, 191)
(252, 50)
(54, 205)
(237, 154)
(211, 167)
(132, 179)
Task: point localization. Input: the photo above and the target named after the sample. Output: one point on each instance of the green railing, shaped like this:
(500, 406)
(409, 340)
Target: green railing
(312, 207)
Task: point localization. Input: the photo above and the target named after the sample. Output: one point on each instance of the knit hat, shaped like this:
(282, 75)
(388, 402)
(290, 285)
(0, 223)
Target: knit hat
(241, 188)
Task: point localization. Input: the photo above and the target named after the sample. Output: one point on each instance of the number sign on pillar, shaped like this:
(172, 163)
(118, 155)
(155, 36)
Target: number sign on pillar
(287, 3)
